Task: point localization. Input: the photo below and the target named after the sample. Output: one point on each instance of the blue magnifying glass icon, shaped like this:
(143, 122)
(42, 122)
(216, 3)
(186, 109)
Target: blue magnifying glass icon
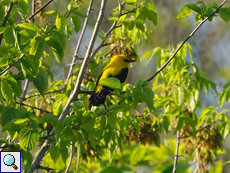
(9, 160)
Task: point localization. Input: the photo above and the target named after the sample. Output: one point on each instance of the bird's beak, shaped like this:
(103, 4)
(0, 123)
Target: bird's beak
(132, 60)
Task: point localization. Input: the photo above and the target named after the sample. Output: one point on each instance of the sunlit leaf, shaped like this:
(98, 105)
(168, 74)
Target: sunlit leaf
(76, 22)
(111, 82)
(28, 138)
(225, 14)
(184, 12)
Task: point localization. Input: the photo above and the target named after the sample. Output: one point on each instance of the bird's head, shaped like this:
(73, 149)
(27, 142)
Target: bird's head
(122, 60)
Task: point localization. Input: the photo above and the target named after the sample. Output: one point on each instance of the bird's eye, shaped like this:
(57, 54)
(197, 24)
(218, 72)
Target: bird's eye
(126, 60)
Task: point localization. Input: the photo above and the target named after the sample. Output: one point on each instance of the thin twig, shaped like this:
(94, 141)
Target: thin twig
(76, 90)
(79, 41)
(176, 152)
(109, 31)
(200, 129)
(192, 33)
(45, 168)
(7, 145)
(34, 14)
(45, 93)
(71, 157)
(42, 110)
(26, 80)
(9, 66)
(6, 17)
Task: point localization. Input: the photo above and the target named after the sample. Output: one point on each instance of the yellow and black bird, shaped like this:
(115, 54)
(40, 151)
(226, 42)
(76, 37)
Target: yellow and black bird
(118, 68)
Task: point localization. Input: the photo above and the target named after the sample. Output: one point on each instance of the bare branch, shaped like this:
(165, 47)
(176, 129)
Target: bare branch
(45, 168)
(9, 66)
(27, 81)
(34, 14)
(6, 17)
(192, 33)
(42, 110)
(76, 90)
(79, 42)
(71, 157)
(176, 152)
(109, 31)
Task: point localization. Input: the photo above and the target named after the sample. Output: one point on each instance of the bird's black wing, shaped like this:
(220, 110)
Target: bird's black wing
(97, 99)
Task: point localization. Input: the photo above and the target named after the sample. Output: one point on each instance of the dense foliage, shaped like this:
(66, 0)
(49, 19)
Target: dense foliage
(140, 126)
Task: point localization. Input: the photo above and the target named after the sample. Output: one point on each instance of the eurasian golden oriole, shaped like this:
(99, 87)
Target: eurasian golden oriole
(118, 68)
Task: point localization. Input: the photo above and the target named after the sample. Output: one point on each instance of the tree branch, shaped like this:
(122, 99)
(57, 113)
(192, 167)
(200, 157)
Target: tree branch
(34, 14)
(79, 41)
(76, 90)
(9, 66)
(45, 168)
(109, 31)
(71, 157)
(192, 33)
(27, 81)
(6, 17)
(176, 152)
(42, 110)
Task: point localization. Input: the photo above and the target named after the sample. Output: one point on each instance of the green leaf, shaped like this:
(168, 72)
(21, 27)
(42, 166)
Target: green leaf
(28, 138)
(140, 25)
(41, 81)
(30, 26)
(102, 36)
(226, 85)
(54, 152)
(8, 35)
(112, 119)
(110, 169)
(67, 134)
(52, 12)
(88, 122)
(166, 124)
(37, 46)
(58, 54)
(92, 140)
(151, 13)
(148, 100)
(60, 22)
(131, 2)
(111, 82)
(135, 97)
(7, 114)
(68, 31)
(76, 22)
(63, 151)
(113, 18)
(141, 82)
(181, 96)
(80, 13)
(149, 54)
(137, 155)
(218, 168)
(194, 7)
(28, 67)
(225, 14)
(16, 124)
(48, 118)
(221, 99)
(58, 130)
(2, 13)
(9, 88)
(24, 5)
(192, 124)
(213, 5)
(78, 104)
(184, 12)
